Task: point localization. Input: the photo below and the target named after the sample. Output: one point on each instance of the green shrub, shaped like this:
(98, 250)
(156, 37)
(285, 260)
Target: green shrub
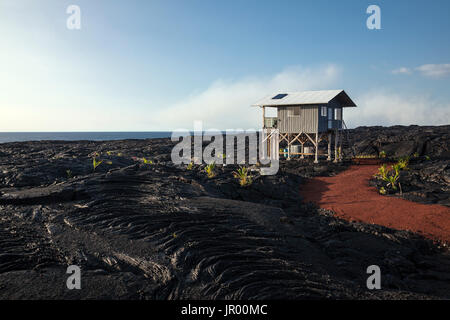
(392, 179)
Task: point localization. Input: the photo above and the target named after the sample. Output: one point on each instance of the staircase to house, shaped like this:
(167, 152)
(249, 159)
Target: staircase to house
(347, 147)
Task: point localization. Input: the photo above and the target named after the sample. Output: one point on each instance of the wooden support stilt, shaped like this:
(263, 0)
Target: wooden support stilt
(329, 146)
(264, 117)
(316, 160)
(303, 151)
(288, 147)
(321, 137)
(336, 145)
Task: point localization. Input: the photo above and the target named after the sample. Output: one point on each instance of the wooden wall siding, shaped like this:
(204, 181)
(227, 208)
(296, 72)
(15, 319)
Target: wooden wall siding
(307, 121)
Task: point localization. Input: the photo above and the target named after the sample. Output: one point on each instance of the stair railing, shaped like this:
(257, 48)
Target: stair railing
(347, 136)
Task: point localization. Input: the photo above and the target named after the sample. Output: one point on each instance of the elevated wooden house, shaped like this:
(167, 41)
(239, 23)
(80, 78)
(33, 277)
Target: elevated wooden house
(307, 118)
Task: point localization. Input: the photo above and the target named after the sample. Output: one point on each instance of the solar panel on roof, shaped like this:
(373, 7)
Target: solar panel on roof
(280, 96)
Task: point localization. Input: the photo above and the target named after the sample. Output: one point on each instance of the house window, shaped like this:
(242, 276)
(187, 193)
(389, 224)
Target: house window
(323, 111)
(290, 112)
(338, 113)
(330, 118)
(293, 112)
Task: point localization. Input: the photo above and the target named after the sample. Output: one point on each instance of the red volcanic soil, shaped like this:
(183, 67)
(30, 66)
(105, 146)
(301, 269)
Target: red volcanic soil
(349, 195)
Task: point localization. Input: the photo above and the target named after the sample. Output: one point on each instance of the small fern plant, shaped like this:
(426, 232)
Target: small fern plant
(403, 163)
(147, 161)
(382, 172)
(242, 175)
(392, 179)
(209, 169)
(96, 163)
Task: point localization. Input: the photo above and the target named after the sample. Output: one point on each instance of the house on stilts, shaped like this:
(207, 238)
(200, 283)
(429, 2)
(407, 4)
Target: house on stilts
(304, 120)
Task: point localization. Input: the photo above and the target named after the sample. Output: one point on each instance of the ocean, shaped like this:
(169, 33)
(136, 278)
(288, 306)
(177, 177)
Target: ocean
(71, 136)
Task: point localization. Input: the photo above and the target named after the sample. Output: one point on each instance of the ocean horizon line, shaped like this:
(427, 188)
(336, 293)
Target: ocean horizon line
(23, 136)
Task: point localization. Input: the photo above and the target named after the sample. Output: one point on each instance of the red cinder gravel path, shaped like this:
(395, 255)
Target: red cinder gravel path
(350, 196)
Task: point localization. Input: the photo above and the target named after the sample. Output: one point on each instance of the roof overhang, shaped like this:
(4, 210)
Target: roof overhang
(306, 98)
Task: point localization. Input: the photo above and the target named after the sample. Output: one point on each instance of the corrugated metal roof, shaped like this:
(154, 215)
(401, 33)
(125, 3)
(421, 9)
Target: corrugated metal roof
(305, 97)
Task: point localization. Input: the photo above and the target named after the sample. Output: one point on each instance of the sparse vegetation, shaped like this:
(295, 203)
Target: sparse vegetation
(147, 161)
(209, 169)
(96, 163)
(192, 217)
(392, 176)
(69, 174)
(382, 154)
(242, 174)
(365, 156)
(403, 163)
(382, 172)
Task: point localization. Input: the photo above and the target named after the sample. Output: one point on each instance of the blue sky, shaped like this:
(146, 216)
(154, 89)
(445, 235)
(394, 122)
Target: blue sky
(159, 65)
